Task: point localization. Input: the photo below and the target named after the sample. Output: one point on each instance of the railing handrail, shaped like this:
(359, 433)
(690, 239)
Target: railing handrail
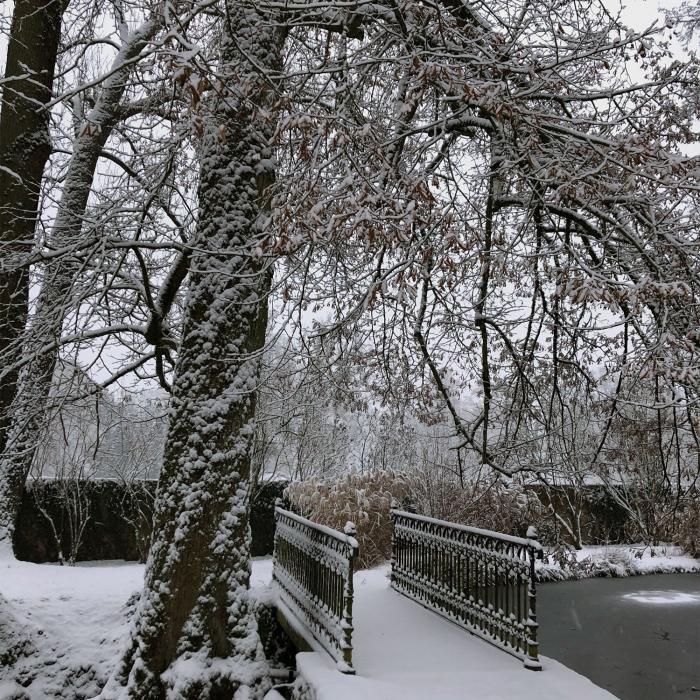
(336, 534)
(512, 539)
(482, 580)
(313, 569)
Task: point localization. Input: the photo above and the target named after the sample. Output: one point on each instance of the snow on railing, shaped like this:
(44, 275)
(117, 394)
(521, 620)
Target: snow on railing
(482, 580)
(313, 570)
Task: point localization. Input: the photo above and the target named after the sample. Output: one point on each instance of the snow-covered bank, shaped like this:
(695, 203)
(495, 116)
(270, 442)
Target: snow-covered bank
(76, 617)
(404, 652)
(615, 561)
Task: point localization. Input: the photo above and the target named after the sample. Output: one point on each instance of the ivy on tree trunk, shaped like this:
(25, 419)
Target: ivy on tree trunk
(195, 633)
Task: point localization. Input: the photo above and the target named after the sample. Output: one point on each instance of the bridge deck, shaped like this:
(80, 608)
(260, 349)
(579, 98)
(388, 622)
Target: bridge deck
(405, 652)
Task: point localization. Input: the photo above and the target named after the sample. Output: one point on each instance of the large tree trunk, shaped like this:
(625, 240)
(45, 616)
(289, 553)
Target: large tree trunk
(30, 401)
(24, 149)
(195, 634)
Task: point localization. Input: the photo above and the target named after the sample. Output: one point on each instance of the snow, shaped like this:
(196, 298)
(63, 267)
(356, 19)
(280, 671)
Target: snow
(618, 560)
(664, 559)
(77, 619)
(404, 652)
(262, 572)
(670, 597)
(274, 695)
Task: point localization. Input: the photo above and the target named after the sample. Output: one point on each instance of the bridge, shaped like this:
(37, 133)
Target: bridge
(452, 617)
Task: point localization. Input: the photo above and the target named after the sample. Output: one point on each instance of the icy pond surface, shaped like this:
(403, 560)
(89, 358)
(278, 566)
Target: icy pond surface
(638, 637)
(663, 597)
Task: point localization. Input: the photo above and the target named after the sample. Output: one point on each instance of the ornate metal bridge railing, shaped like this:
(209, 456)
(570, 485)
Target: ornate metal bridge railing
(484, 581)
(313, 570)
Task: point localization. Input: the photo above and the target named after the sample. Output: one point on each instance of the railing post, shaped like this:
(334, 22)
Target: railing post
(532, 661)
(394, 506)
(275, 552)
(347, 666)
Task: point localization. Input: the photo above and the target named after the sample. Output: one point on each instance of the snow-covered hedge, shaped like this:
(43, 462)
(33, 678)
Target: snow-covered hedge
(115, 519)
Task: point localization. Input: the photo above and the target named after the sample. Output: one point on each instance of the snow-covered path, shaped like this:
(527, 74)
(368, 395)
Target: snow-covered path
(405, 652)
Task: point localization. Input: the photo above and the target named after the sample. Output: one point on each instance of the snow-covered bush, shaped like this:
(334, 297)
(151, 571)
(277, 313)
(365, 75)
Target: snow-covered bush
(563, 563)
(613, 563)
(488, 504)
(362, 498)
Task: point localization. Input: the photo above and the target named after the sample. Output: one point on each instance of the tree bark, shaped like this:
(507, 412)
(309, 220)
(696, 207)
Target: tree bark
(195, 634)
(25, 147)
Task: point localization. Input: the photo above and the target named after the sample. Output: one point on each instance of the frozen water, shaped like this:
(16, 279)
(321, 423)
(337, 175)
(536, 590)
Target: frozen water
(663, 597)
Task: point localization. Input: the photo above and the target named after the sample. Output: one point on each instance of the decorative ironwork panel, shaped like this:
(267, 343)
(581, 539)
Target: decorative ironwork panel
(313, 570)
(482, 580)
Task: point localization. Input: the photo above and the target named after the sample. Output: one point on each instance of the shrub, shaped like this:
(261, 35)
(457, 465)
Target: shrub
(491, 505)
(364, 499)
(561, 564)
(615, 563)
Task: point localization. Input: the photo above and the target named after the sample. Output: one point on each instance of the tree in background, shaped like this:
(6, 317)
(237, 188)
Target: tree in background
(25, 146)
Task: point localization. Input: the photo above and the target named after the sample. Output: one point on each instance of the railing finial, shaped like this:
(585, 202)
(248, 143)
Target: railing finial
(350, 528)
(532, 661)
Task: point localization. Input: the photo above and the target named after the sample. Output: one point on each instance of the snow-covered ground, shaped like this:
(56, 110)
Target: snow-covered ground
(618, 560)
(77, 618)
